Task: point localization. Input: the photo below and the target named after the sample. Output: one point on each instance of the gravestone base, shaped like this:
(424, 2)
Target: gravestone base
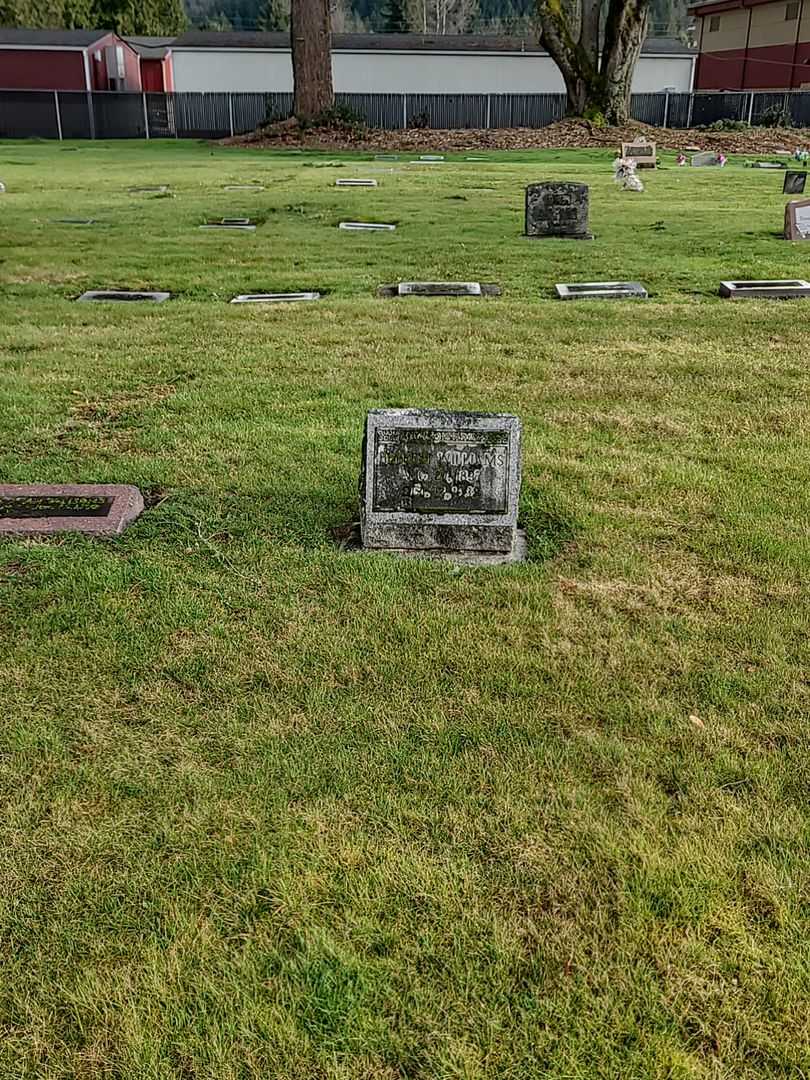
(350, 540)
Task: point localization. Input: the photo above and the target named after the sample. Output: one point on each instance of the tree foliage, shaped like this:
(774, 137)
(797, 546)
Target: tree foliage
(123, 16)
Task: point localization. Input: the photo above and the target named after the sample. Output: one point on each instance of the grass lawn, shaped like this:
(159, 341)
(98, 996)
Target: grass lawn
(274, 811)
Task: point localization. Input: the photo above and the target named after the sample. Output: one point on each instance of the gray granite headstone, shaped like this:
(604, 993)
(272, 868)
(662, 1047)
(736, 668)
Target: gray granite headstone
(441, 482)
(555, 208)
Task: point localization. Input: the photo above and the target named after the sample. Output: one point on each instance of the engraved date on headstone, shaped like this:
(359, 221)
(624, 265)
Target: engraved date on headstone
(434, 472)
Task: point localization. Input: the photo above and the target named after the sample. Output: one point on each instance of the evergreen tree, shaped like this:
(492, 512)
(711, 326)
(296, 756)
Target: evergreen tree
(395, 19)
(275, 15)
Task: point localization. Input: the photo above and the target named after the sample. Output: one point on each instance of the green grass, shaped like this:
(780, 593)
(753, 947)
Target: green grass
(274, 811)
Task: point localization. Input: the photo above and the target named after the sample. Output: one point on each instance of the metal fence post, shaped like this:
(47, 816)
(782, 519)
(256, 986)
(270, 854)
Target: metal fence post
(91, 115)
(404, 110)
(666, 110)
(691, 107)
(750, 107)
(230, 112)
(145, 114)
(58, 114)
(489, 110)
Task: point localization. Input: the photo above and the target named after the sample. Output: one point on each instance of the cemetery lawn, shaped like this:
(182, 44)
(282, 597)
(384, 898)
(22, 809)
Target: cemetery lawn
(271, 810)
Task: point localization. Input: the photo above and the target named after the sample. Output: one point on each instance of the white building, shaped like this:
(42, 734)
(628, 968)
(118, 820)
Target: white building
(405, 64)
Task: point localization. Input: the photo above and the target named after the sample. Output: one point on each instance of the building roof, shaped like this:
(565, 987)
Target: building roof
(150, 48)
(71, 39)
(474, 43)
(711, 7)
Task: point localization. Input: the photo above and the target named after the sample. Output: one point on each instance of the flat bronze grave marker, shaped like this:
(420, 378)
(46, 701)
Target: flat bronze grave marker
(46, 509)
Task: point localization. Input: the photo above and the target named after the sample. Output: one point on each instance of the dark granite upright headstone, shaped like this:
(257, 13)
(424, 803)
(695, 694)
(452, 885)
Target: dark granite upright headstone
(557, 209)
(440, 481)
(794, 182)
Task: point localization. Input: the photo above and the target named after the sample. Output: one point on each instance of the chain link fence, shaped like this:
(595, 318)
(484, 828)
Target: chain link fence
(51, 114)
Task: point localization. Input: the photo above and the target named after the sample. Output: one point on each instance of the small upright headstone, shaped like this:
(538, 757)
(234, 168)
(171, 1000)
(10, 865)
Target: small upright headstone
(554, 208)
(641, 151)
(442, 483)
(794, 182)
(797, 220)
(708, 157)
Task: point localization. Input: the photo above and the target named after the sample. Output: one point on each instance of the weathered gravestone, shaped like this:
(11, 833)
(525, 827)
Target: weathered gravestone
(445, 483)
(641, 151)
(797, 219)
(555, 208)
(708, 157)
(275, 298)
(794, 182)
(46, 509)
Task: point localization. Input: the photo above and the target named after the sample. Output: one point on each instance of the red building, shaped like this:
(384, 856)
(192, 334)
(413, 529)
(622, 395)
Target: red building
(155, 55)
(67, 60)
(752, 44)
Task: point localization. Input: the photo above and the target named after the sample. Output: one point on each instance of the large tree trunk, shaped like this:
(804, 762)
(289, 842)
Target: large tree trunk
(311, 43)
(625, 31)
(597, 80)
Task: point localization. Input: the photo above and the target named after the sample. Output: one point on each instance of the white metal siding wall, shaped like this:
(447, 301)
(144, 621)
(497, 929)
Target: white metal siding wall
(406, 73)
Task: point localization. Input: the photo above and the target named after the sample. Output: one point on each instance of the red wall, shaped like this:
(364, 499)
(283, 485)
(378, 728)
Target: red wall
(41, 69)
(769, 67)
(152, 75)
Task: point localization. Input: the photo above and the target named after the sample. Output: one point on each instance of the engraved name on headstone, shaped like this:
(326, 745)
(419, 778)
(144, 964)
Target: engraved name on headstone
(555, 208)
(441, 481)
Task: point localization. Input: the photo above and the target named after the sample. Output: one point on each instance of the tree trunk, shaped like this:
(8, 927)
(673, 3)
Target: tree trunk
(625, 31)
(311, 44)
(597, 81)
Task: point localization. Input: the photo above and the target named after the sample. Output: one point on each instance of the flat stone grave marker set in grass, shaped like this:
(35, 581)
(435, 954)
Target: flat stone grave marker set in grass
(772, 290)
(275, 298)
(46, 509)
(641, 151)
(243, 187)
(74, 221)
(797, 220)
(439, 288)
(240, 224)
(555, 208)
(442, 485)
(157, 189)
(124, 296)
(602, 290)
(794, 182)
(765, 165)
(346, 182)
(365, 226)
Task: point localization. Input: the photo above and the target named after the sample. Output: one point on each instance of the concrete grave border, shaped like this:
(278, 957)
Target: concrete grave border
(365, 226)
(786, 289)
(275, 298)
(125, 504)
(487, 289)
(601, 290)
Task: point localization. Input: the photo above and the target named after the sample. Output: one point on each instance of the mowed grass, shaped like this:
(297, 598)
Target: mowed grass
(271, 810)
